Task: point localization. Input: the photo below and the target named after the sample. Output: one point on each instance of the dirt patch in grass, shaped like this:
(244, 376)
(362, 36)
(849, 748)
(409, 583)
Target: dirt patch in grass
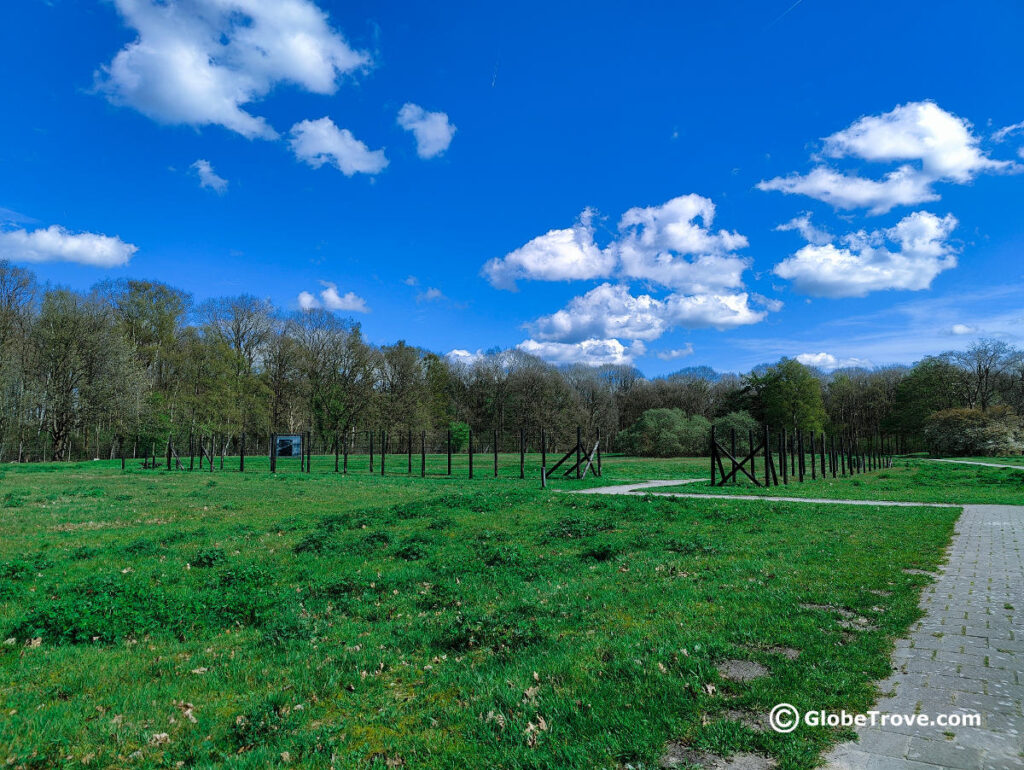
(679, 756)
(736, 670)
(757, 722)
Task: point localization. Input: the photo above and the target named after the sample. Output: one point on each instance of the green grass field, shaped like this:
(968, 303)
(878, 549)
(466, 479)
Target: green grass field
(909, 480)
(159, 619)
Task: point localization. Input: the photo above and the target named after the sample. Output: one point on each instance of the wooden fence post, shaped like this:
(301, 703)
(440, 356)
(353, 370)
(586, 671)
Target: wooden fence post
(241, 455)
(309, 451)
(495, 454)
(449, 451)
(383, 450)
(371, 450)
(782, 456)
(273, 453)
(470, 453)
(409, 449)
(423, 455)
(579, 449)
(337, 453)
(598, 451)
(800, 450)
(713, 451)
(522, 453)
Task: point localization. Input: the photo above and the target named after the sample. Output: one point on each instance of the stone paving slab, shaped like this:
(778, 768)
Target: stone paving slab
(965, 656)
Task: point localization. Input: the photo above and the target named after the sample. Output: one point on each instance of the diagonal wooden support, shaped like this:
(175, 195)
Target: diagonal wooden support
(736, 466)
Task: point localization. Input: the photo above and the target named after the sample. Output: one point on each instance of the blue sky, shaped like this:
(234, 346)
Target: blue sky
(589, 181)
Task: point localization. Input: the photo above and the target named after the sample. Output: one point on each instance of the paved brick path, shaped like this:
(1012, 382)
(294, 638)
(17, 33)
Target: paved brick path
(965, 655)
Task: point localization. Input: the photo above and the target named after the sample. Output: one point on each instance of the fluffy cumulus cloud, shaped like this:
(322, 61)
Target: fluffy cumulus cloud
(828, 362)
(863, 261)
(330, 299)
(432, 130)
(56, 244)
(612, 311)
(204, 62)
(902, 187)
(961, 329)
(209, 178)
(929, 144)
(462, 356)
(605, 311)
(558, 255)
(596, 352)
(320, 141)
(672, 247)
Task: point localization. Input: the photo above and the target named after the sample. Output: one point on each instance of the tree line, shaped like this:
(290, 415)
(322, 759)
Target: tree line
(129, 363)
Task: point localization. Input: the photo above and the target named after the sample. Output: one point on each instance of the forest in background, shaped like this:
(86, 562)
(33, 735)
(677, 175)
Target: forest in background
(130, 363)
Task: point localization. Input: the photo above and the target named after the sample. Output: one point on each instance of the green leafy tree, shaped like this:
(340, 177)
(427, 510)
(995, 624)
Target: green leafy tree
(788, 395)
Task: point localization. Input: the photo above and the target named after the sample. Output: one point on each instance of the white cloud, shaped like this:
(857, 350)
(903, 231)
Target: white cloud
(209, 178)
(672, 245)
(594, 352)
(56, 244)
(960, 329)
(1005, 131)
(902, 187)
(558, 255)
(200, 62)
(810, 233)
(411, 280)
(612, 311)
(864, 263)
(672, 355)
(430, 295)
(828, 362)
(330, 299)
(656, 240)
(432, 130)
(605, 311)
(462, 356)
(931, 145)
(320, 141)
(917, 131)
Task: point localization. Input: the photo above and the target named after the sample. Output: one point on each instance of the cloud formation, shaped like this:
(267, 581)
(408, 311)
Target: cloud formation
(672, 246)
(828, 362)
(863, 262)
(594, 352)
(558, 255)
(930, 144)
(56, 244)
(432, 130)
(612, 311)
(673, 355)
(317, 142)
(209, 178)
(330, 299)
(203, 62)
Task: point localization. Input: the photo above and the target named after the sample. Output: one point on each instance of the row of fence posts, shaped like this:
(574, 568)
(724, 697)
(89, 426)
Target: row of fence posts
(341, 448)
(829, 455)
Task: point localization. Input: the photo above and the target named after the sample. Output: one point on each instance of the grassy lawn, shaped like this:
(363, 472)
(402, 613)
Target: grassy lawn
(171, 619)
(908, 480)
